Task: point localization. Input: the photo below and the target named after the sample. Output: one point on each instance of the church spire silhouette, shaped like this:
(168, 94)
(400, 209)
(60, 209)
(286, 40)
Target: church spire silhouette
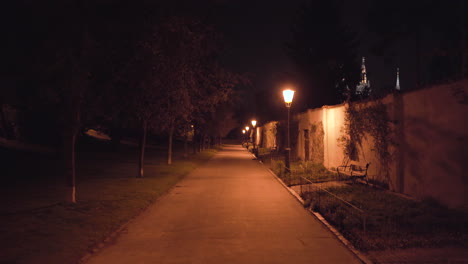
(397, 86)
(363, 88)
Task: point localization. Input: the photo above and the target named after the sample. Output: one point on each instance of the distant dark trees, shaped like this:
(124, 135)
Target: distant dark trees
(215, 104)
(183, 83)
(88, 63)
(324, 51)
(51, 56)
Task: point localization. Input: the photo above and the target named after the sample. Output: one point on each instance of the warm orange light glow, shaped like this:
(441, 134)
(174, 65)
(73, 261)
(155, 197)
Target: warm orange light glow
(254, 122)
(247, 128)
(288, 95)
(243, 131)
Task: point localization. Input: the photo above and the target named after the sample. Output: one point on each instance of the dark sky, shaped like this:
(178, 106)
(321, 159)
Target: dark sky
(256, 31)
(255, 34)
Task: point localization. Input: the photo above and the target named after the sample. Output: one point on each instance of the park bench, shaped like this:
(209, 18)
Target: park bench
(353, 170)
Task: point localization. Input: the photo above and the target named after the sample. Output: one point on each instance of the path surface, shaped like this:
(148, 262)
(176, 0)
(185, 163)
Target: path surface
(229, 210)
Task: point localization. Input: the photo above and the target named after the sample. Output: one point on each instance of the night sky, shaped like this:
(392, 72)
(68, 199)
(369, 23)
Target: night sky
(255, 34)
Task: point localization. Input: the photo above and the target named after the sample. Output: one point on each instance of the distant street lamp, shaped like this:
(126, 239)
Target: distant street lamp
(254, 136)
(288, 95)
(247, 136)
(243, 136)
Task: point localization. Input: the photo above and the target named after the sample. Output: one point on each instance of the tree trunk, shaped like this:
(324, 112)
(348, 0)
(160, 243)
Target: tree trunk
(185, 143)
(199, 143)
(72, 108)
(3, 124)
(142, 149)
(463, 40)
(169, 151)
(203, 142)
(73, 96)
(194, 144)
(70, 130)
(69, 141)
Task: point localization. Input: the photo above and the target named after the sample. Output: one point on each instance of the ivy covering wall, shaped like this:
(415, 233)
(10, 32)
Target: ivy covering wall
(368, 120)
(316, 143)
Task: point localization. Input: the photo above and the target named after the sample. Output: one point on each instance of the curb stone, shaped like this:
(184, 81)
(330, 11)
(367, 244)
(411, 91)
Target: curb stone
(341, 238)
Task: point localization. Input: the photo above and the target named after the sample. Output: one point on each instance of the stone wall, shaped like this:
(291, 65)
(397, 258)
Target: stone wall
(431, 136)
(430, 140)
(268, 135)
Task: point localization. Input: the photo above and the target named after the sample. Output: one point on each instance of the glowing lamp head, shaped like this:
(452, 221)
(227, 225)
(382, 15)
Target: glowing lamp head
(247, 128)
(254, 123)
(243, 131)
(288, 97)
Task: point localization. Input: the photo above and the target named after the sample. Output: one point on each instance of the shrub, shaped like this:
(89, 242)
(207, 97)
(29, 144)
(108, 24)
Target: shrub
(278, 167)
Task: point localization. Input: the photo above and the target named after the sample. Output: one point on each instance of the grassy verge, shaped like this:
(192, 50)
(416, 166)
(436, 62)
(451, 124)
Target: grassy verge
(36, 229)
(391, 221)
(307, 170)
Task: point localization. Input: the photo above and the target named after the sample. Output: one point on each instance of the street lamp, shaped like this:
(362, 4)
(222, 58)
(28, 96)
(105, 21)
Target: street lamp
(254, 136)
(243, 136)
(247, 136)
(288, 95)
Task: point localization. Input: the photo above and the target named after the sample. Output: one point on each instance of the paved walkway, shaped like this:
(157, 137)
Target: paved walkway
(229, 210)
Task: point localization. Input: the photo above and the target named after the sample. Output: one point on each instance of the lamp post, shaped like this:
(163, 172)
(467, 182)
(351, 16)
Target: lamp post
(243, 135)
(247, 136)
(254, 136)
(288, 95)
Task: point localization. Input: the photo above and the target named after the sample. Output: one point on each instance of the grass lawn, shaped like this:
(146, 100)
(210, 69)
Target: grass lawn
(307, 170)
(392, 221)
(36, 228)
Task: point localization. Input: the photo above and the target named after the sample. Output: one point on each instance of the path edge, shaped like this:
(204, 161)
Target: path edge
(116, 233)
(318, 216)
